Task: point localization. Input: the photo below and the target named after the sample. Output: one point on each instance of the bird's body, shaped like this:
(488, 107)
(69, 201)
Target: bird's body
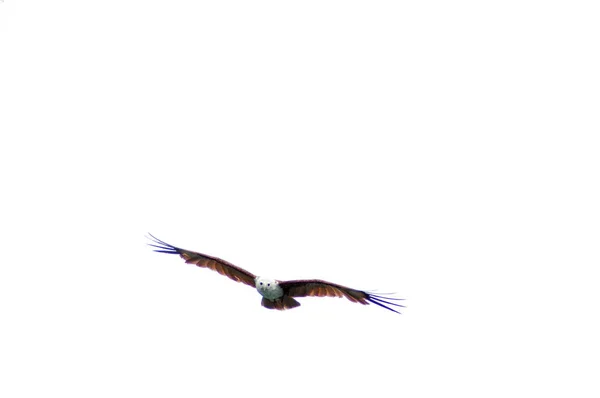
(277, 294)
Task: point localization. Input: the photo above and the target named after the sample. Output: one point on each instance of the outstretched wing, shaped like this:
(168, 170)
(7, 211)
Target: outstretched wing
(202, 260)
(319, 288)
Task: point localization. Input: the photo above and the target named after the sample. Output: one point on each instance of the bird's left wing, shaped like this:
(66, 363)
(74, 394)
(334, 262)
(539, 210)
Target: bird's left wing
(202, 260)
(319, 288)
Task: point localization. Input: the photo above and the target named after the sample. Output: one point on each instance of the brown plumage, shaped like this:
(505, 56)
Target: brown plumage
(283, 303)
(276, 294)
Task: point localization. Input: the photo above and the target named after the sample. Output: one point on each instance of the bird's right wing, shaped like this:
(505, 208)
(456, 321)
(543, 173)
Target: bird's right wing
(202, 260)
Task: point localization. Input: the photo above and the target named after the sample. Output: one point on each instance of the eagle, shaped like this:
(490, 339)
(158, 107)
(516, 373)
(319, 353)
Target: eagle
(277, 295)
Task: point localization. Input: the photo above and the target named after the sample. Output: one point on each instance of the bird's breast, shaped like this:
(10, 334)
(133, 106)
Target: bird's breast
(270, 292)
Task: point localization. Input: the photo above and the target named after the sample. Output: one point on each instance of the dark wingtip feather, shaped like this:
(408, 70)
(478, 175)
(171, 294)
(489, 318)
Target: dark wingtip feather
(384, 302)
(161, 246)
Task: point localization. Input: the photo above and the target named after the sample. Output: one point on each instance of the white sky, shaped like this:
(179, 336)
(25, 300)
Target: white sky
(446, 151)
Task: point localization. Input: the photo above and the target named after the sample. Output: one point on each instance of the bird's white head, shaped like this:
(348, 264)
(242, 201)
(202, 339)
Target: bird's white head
(268, 288)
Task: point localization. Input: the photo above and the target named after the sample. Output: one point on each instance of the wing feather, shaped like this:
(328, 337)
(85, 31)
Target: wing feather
(223, 267)
(319, 288)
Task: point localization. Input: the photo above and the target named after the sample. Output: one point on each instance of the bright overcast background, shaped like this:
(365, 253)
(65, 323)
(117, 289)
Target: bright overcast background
(444, 151)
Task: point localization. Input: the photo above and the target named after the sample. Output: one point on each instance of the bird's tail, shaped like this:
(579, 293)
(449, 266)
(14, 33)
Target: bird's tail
(284, 303)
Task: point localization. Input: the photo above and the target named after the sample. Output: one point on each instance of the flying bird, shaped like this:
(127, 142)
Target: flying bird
(277, 295)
